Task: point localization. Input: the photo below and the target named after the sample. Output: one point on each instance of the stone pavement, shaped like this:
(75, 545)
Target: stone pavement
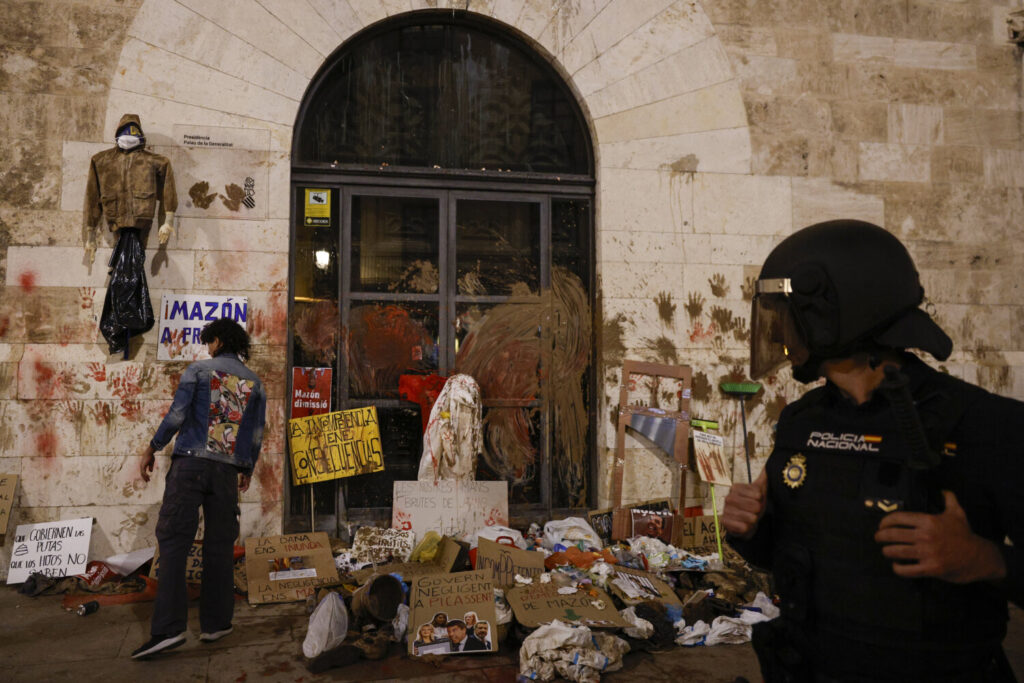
(39, 641)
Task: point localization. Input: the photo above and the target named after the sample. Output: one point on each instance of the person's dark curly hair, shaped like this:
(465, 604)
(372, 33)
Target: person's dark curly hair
(232, 336)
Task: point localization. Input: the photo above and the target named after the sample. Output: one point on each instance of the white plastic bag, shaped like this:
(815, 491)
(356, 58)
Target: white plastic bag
(328, 625)
(493, 533)
(569, 530)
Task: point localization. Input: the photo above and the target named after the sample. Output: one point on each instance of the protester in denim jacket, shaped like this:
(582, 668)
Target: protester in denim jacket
(218, 413)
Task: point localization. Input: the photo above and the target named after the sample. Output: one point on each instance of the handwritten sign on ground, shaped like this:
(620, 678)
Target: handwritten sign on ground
(193, 564)
(442, 563)
(50, 548)
(634, 586)
(503, 562)
(372, 544)
(288, 568)
(452, 613)
(698, 531)
(541, 603)
(183, 317)
(8, 487)
(450, 507)
(335, 445)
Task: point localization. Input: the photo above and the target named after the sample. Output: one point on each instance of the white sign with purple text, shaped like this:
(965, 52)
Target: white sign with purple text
(183, 317)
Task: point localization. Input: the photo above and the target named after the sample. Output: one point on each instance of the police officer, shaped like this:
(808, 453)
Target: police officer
(891, 510)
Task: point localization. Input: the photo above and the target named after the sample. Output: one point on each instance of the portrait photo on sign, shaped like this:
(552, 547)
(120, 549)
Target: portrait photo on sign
(444, 635)
(707, 451)
(653, 523)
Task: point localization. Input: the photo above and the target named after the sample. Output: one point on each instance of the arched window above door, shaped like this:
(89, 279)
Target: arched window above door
(442, 223)
(442, 94)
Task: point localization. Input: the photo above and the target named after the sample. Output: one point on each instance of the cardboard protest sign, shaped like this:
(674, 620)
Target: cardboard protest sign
(707, 451)
(443, 562)
(601, 522)
(502, 562)
(334, 445)
(193, 564)
(288, 568)
(541, 603)
(8, 487)
(372, 544)
(311, 391)
(698, 531)
(633, 586)
(452, 614)
(50, 548)
(450, 507)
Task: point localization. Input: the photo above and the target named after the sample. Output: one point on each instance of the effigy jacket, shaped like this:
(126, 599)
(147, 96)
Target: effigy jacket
(124, 186)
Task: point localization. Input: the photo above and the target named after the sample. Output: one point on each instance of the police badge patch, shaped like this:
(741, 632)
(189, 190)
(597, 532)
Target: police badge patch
(795, 471)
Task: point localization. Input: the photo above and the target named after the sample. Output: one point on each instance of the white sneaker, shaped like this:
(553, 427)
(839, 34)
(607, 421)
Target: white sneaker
(158, 644)
(216, 635)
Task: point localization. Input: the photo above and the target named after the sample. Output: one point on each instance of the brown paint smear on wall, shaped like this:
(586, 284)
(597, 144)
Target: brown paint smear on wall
(504, 355)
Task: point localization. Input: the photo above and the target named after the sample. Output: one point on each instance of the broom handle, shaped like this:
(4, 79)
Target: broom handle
(746, 441)
(718, 532)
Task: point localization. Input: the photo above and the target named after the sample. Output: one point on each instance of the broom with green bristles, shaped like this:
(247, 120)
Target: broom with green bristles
(743, 392)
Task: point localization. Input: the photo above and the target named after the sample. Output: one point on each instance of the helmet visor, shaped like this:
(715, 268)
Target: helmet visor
(775, 338)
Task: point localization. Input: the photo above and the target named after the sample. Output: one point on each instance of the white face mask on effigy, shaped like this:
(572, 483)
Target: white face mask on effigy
(128, 141)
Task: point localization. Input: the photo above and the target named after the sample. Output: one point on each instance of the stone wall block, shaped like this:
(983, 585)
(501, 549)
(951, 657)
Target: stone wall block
(741, 205)
(75, 158)
(35, 24)
(164, 269)
(924, 54)
(305, 21)
(717, 106)
(958, 22)
(54, 70)
(640, 247)
(751, 40)
(160, 115)
(776, 115)
(224, 234)
(250, 270)
(689, 69)
(859, 120)
(896, 163)
(620, 279)
(833, 159)
(767, 75)
(43, 428)
(117, 427)
(1004, 167)
(712, 151)
(957, 165)
(741, 249)
(847, 47)
(649, 201)
(29, 176)
(97, 28)
(251, 22)
(339, 16)
(680, 26)
(915, 124)
(984, 127)
(161, 74)
(803, 43)
(816, 200)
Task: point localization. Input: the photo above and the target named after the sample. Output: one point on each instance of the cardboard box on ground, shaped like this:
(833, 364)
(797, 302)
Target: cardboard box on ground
(288, 568)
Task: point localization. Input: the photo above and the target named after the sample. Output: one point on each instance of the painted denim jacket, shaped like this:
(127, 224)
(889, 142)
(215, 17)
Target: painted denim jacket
(218, 412)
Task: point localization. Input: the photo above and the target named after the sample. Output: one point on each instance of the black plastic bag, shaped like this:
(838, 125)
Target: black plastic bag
(127, 310)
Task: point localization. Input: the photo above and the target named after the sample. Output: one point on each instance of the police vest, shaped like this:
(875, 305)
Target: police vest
(835, 472)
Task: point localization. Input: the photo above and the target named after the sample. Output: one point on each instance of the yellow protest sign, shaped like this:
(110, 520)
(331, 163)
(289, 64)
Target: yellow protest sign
(334, 445)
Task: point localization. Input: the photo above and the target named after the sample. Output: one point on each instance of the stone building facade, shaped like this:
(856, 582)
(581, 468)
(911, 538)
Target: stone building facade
(718, 126)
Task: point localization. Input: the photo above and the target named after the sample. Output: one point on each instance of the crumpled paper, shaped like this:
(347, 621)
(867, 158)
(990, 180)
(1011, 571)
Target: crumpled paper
(573, 652)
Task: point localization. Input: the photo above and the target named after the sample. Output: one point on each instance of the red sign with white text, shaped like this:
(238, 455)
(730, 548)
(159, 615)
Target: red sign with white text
(311, 391)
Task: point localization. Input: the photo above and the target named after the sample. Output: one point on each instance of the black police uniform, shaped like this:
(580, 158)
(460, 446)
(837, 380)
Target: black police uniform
(835, 471)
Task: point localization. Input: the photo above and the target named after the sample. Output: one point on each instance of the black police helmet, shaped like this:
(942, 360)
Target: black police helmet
(854, 288)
